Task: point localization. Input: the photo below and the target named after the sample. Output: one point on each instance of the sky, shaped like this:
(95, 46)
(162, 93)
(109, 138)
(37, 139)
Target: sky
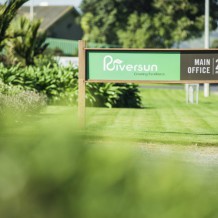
(53, 2)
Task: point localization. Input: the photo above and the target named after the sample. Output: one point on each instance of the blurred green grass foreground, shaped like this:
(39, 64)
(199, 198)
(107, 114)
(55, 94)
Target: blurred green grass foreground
(51, 169)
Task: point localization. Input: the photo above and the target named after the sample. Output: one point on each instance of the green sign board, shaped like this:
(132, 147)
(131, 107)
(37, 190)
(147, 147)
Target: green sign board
(151, 65)
(143, 65)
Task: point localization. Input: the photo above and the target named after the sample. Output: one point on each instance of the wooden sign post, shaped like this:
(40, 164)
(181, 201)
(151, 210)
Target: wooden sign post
(144, 66)
(82, 84)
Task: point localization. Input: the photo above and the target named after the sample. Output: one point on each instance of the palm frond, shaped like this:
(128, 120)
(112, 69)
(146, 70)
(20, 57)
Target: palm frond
(7, 13)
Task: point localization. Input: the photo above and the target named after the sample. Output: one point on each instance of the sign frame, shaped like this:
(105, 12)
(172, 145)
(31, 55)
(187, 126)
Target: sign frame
(82, 76)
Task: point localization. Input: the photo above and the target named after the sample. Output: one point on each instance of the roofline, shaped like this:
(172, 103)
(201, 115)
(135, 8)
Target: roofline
(80, 12)
(69, 8)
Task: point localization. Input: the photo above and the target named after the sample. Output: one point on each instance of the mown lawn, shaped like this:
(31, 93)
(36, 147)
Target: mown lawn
(165, 119)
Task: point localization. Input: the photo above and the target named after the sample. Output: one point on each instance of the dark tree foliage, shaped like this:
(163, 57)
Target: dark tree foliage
(215, 44)
(111, 15)
(151, 23)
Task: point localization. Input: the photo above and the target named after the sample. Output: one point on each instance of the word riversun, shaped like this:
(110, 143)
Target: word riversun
(117, 65)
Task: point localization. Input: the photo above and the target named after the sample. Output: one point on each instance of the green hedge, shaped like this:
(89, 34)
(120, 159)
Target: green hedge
(60, 84)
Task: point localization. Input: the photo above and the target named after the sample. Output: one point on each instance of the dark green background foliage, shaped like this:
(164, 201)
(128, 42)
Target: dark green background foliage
(215, 44)
(60, 85)
(52, 172)
(141, 24)
(129, 97)
(114, 95)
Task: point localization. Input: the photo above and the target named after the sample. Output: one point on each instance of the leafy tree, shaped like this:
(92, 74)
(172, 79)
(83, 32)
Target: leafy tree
(215, 44)
(180, 20)
(138, 26)
(31, 41)
(92, 32)
(154, 23)
(7, 13)
(102, 19)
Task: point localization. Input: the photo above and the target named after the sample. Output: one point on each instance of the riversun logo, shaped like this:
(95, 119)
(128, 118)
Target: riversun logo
(117, 65)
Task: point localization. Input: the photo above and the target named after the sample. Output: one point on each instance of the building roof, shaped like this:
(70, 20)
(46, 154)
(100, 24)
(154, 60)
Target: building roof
(48, 14)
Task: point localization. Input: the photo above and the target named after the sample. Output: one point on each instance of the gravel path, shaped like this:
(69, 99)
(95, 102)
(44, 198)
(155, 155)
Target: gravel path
(192, 154)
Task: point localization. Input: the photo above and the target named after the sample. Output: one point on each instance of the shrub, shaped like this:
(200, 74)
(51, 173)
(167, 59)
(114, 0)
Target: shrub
(15, 102)
(114, 95)
(9, 89)
(55, 82)
(45, 60)
(129, 96)
(60, 84)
